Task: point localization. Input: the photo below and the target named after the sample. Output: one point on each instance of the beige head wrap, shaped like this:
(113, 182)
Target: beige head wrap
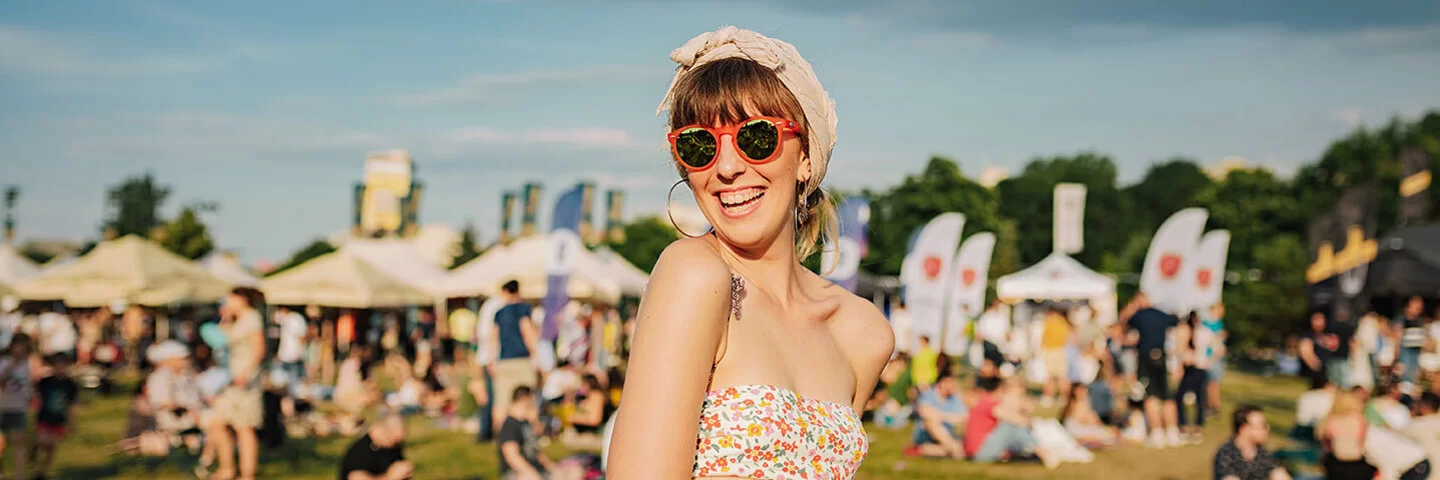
(785, 61)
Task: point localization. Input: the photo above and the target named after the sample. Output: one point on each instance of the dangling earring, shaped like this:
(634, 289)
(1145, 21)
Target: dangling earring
(672, 215)
(802, 209)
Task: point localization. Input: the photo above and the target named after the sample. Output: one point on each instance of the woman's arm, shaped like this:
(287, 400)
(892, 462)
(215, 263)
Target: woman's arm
(681, 321)
(870, 341)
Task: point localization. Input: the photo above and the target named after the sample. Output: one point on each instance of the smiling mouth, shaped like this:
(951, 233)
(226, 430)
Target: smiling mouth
(740, 202)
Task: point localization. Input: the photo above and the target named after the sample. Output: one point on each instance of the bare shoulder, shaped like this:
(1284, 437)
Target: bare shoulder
(690, 266)
(860, 327)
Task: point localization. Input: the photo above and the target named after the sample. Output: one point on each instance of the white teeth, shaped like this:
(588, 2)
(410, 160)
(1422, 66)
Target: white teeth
(731, 199)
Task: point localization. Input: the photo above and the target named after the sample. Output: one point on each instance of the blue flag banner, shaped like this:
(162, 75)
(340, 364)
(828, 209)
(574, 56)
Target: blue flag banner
(564, 251)
(840, 262)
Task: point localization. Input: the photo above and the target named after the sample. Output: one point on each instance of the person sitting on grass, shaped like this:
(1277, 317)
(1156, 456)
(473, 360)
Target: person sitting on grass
(999, 426)
(943, 415)
(1244, 457)
(1082, 422)
(379, 454)
(520, 455)
(57, 394)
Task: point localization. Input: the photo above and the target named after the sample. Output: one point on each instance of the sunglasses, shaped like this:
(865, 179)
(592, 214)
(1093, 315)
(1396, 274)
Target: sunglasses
(756, 138)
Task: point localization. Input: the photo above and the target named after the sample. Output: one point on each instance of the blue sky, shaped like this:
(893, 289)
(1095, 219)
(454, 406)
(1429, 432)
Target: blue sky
(269, 108)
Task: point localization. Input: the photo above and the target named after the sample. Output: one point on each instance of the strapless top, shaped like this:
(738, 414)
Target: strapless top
(765, 432)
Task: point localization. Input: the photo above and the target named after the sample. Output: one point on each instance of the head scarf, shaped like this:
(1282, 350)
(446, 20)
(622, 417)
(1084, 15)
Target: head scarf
(794, 72)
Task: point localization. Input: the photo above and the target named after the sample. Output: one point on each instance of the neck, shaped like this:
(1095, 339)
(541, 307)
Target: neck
(1244, 444)
(774, 267)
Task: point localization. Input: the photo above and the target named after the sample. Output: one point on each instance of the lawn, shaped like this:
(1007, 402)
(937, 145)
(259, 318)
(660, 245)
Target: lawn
(443, 454)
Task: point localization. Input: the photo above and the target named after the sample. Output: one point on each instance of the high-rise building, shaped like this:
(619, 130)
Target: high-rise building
(387, 202)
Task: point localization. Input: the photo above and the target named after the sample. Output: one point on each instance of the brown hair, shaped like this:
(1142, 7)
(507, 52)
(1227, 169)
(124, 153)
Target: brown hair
(721, 92)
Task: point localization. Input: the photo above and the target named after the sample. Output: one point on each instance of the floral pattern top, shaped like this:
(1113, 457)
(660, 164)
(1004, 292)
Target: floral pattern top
(765, 432)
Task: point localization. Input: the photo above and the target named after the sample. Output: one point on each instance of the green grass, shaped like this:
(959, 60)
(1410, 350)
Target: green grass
(442, 454)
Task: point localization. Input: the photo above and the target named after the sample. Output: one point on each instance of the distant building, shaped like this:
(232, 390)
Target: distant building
(387, 202)
(1224, 166)
(992, 176)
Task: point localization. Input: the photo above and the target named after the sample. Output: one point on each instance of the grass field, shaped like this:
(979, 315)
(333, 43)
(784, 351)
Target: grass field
(442, 454)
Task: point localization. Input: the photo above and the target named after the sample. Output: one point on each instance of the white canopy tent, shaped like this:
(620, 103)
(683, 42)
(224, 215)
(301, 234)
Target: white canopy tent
(14, 268)
(131, 269)
(1059, 277)
(403, 260)
(228, 268)
(524, 261)
(341, 279)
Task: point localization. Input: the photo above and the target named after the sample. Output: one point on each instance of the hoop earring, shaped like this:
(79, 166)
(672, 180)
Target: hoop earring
(672, 215)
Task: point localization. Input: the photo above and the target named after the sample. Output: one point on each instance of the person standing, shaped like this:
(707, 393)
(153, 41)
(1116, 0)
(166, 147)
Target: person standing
(992, 329)
(462, 329)
(240, 406)
(1244, 457)
(1214, 353)
(1409, 327)
(292, 330)
(514, 340)
(18, 391)
(1316, 347)
(57, 394)
(1054, 338)
(1153, 328)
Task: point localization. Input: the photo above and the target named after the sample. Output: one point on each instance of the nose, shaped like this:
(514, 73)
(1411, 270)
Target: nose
(728, 162)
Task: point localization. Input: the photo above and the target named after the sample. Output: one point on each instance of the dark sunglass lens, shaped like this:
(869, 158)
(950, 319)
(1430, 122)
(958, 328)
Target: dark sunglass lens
(695, 147)
(758, 139)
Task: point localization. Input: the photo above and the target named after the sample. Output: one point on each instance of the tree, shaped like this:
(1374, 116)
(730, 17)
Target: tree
(1260, 313)
(135, 205)
(939, 188)
(1254, 206)
(469, 248)
(1165, 189)
(187, 236)
(645, 239)
(314, 249)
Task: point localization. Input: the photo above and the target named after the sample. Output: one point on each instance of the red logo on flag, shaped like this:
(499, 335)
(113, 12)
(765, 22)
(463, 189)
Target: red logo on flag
(1202, 277)
(967, 277)
(932, 267)
(1169, 265)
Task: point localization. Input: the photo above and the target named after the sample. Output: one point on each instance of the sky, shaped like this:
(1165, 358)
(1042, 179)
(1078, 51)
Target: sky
(269, 108)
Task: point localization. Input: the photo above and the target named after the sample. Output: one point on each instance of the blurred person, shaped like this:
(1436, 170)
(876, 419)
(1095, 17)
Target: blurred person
(1317, 347)
(895, 411)
(57, 394)
(462, 329)
(992, 330)
(520, 455)
(943, 416)
(1408, 328)
(292, 330)
(924, 365)
(1244, 457)
(1153, 327)
(379, 454)
(134, 324)
(485, 329)
(173, 391)
(1192, 391)
(1386, 408)
(999, 426)
(1394, 456)
(1424, 430)
(16, 393)
(56, 334)
(592, 406)
(344, 332)
(1056, 335)
(10, 318)
(240, 405)
(1215, 351)
(903, 324)
(515, 338)
(1342, 435)
(354, 389)
(477, 391)
(91, 335)
(732, 316)
(1083, 422)
(1312, 406)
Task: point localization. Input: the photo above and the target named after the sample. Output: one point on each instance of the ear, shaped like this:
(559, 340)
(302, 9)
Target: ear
(804, 169)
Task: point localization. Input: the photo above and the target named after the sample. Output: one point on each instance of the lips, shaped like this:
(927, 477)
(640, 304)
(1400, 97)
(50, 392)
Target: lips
(739, 201)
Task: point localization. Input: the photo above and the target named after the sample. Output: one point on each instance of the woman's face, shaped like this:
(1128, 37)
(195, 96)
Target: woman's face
(1317, 322)
(236, 301)
(749, 205)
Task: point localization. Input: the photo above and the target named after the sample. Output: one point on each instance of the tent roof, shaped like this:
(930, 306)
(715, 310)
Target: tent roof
(229, 269)
(401, 259)
(1408, 263)
(524, 261)
(131, 269)
(14, 268)
(341, 279)
(1057, 277)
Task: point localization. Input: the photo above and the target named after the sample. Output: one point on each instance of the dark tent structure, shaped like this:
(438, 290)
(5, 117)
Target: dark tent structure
(1407, 264)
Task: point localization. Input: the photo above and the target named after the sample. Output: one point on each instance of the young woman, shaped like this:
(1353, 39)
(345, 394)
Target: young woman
(1192, 391)
(1081, 420)
(1342, 434)
(240, 405)
(730, 319)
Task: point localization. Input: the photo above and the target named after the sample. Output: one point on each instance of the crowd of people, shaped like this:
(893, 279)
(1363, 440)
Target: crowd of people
(225, 388)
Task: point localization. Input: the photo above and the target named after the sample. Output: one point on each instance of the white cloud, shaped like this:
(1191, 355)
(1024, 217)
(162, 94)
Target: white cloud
(35, 52)
(490, 86)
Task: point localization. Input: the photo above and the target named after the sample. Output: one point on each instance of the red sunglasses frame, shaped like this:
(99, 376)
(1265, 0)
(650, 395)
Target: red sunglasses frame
(783, 125)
